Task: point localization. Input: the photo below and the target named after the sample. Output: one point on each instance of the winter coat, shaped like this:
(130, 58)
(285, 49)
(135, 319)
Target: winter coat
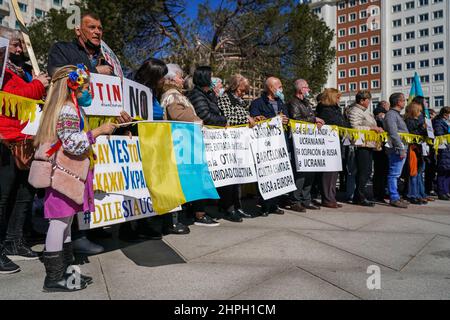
(206, 108)
(233, 109)
(262, 107)
(332, 115)
(177, 107)
(362, 119)
(301, 110)
(11, 127)
(441, 128)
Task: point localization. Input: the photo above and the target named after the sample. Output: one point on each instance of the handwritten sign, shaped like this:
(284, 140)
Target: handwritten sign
(138, 100)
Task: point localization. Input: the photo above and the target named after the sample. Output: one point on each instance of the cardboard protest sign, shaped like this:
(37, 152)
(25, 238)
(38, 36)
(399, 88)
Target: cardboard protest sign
(112, 59)
(121, 192)
(316, 150)
(4, 53)
(271, 156)
(107, 96)
(138, 100)
(228, 154)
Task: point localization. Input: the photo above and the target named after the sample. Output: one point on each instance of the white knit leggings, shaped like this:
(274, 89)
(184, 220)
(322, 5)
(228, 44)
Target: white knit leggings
(59, 232)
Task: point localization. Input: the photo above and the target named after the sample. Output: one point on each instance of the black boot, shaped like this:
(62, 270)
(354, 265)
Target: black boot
(69, 259)
(56, 279)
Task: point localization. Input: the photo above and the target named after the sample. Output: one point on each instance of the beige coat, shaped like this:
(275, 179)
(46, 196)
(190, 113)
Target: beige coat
(177, 107)
(362, 119)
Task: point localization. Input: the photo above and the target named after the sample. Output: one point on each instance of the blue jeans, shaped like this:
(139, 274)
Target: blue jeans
(395, 170)
(416, 186)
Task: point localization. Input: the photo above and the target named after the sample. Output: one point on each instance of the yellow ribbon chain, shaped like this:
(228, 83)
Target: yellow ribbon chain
(24, 109)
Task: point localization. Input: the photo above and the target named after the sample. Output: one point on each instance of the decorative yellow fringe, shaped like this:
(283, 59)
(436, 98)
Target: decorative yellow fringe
(22, 108)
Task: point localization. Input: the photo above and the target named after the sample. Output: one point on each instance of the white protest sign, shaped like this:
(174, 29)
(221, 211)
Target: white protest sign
(107, 97)
(138, 100)
(32, 127)
(316, 150)
(271, 156)
(4, 52)
(228, 155)
(430, 130)
(112, 59)
(121, 193)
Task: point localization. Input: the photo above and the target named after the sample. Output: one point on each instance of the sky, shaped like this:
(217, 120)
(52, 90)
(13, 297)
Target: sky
(191, 6)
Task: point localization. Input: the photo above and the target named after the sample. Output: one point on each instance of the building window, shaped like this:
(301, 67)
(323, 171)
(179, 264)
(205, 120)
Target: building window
(352, 73)
(410, 20)
(396, 8)
(352, 17)
(353, 86)
(396, 37)
(425, 79)
(341, 5)
(397, 67)
(423, 3)
(364, 85)
(375, 55)
(424, 48)
(410, 35)
(397, 82)
(439, 102)
(438, 30)
(364, 71)
(57, 2)
(364, 56)
(409, 5)
(438, 62)
(342, 74)
(342, 33)
(375, 69)
(375, 84)
(352, 31)
(352, 3)
(396, 53)
(424, 33)
(438, 45)
(342, 88)
(409, 80)
(342, 19)
(438, 14)
(352, 44)
(438, 77)
(363, 14)
(375, 40)
(342, 46)
(38, 13)
(363, 43)
(353, 58)
(424, 17)
(342, 60)
(397, 23)
(23, 7)
(410, 65)
(363, 28)
(410, 50)
(424, 63)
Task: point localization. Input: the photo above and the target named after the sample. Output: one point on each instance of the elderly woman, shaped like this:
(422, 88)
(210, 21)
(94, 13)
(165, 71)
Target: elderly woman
(235, 109)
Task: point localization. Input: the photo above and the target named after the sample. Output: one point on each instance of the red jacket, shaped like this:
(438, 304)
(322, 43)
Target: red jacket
(10, 128)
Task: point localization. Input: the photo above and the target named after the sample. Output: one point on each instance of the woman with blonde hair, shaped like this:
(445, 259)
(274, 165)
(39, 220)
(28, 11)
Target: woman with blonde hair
(63, 128)
(330, 111)
(416, 166)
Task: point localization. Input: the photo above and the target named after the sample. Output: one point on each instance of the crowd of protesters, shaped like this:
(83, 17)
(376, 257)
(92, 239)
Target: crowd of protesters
(424, 172)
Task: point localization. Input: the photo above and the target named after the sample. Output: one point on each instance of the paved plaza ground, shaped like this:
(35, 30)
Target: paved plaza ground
(315, 255)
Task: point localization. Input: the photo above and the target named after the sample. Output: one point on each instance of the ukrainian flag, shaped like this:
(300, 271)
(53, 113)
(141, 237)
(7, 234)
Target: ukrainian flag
(175, 169)
(416, 91)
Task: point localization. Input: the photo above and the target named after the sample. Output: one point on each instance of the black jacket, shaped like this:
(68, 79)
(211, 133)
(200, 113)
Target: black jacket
(416, 126)
(301, 110)
(206, 108)
(441, 128)
(69, 53)
(332, 115)
(262, 107)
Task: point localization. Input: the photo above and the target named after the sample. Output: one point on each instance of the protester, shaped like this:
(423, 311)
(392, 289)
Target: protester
(395, 149)
(300, 109)
(269, 105)
(86, 48)
(380, 159)
(362, 119)
(16, 194)
(205, 105)
(441, 127)
(176, 108)
(347, 177)
(430, 168)
(63, 126)
(235, 109)
(329, 110)
(415, 162)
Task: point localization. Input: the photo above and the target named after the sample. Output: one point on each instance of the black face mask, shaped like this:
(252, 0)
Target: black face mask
(89, 44)
(18, 59)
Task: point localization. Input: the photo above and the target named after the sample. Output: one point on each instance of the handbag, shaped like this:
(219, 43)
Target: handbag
(64, 172)
(23, 153)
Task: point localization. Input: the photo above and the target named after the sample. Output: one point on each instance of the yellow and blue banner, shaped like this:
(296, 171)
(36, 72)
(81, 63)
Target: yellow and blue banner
(416, 91)
(174, 164)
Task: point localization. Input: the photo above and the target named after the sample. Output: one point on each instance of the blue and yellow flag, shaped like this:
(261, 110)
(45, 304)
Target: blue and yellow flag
(173, 159)
(416, 91)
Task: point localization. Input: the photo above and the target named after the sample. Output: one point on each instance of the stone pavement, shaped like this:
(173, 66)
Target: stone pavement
(315, 255)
